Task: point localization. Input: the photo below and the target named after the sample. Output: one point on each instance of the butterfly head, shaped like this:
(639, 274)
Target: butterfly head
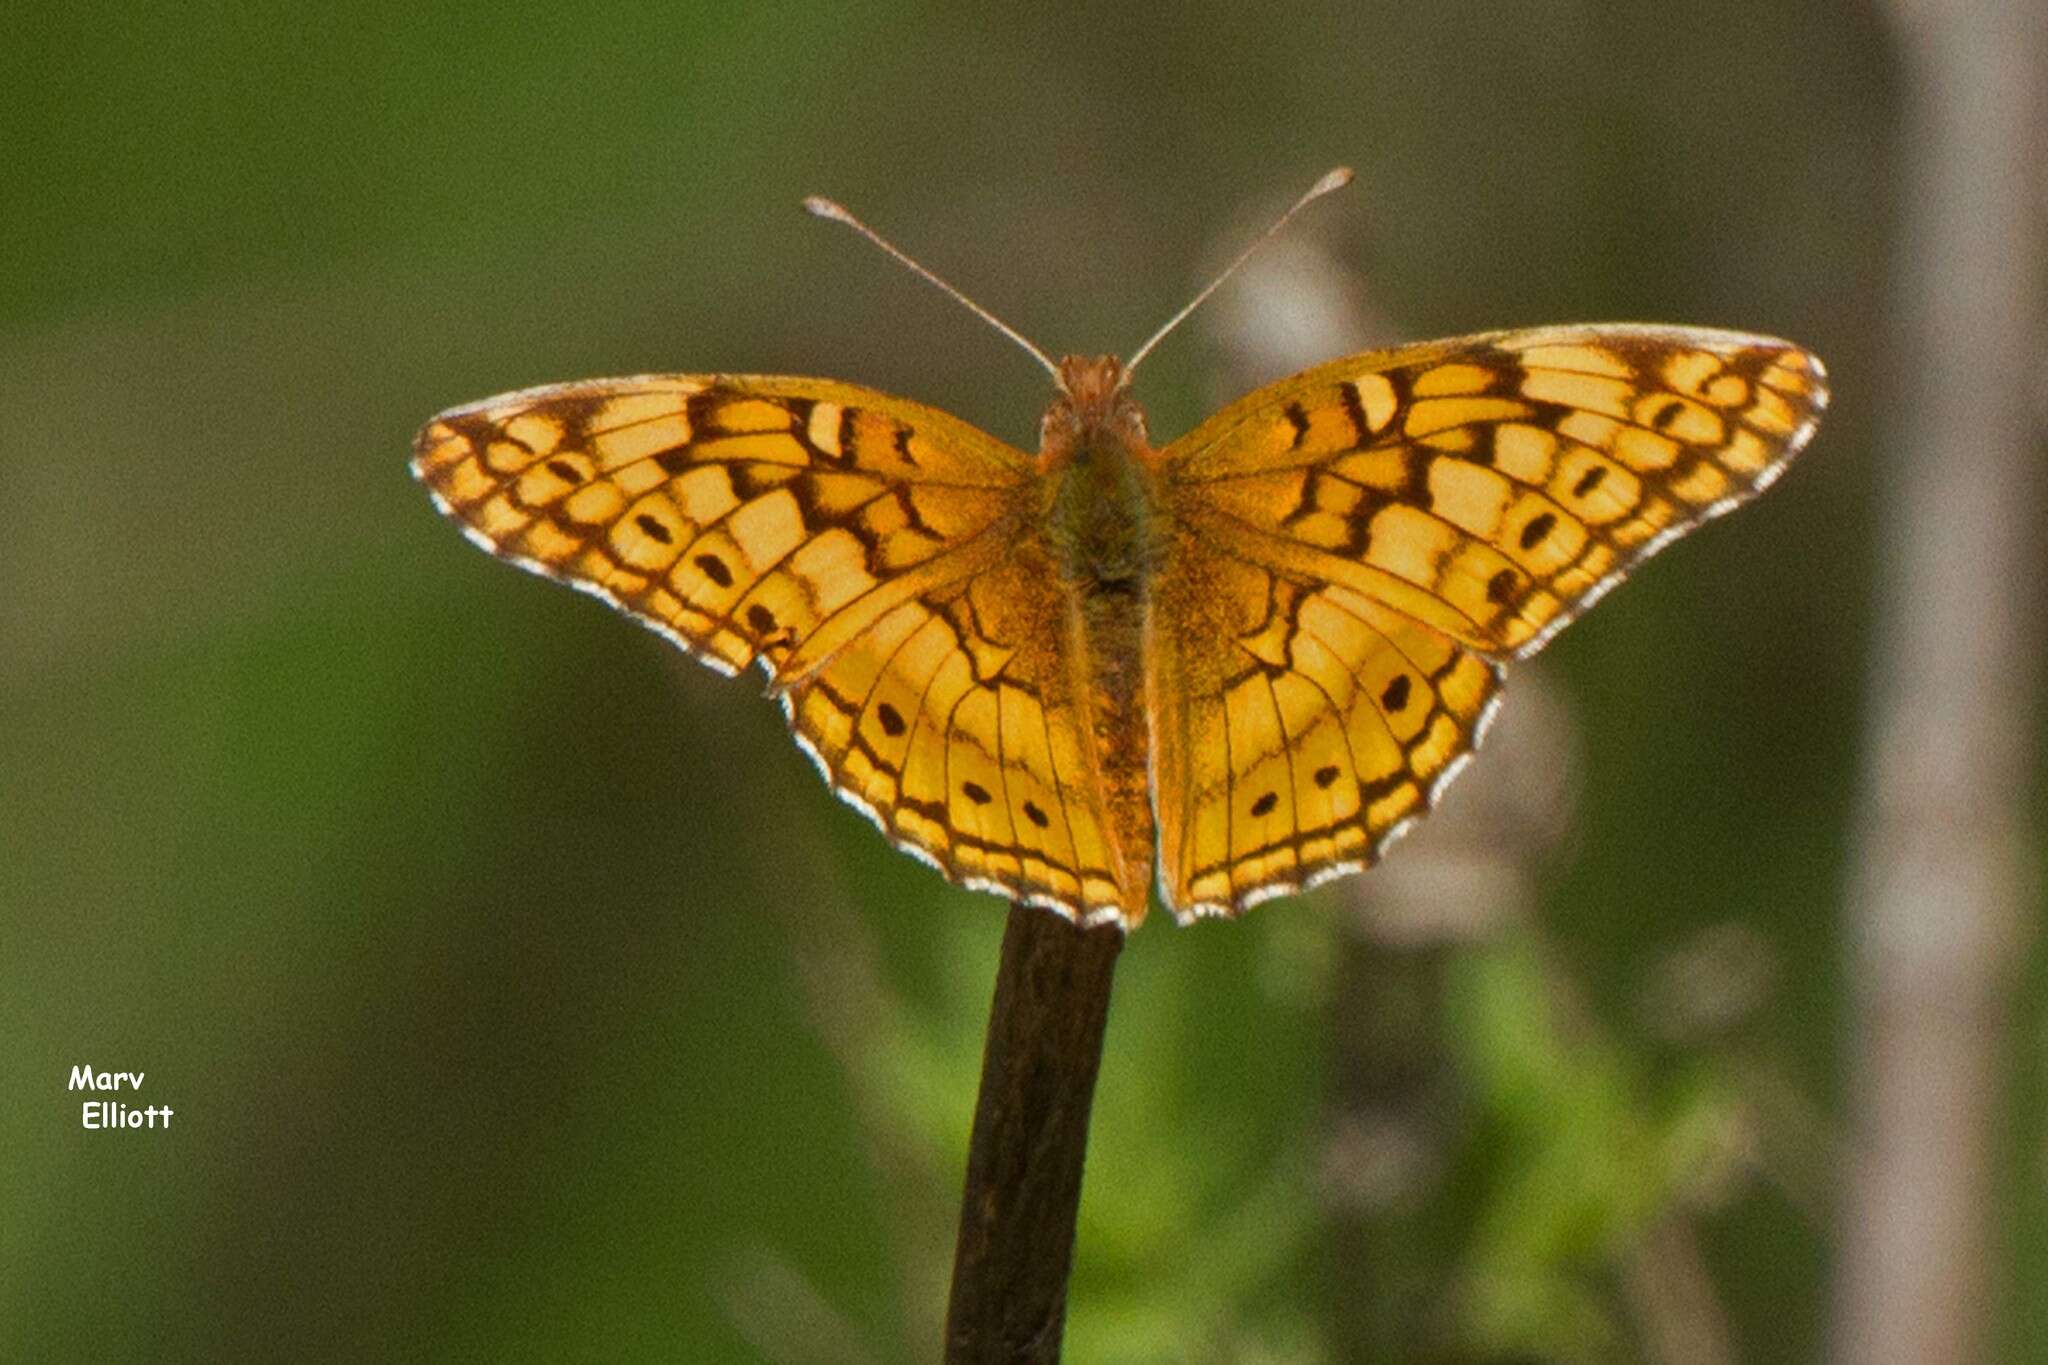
(1094, 406)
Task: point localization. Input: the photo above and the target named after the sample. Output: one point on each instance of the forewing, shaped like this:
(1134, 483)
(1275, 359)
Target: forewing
(1494, 486)
(743, 517)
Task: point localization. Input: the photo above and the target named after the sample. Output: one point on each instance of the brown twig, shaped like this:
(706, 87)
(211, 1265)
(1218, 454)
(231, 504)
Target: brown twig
(1024, 1160)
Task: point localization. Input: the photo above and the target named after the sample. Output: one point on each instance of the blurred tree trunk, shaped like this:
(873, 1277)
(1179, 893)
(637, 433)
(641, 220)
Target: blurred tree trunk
(1943, 878)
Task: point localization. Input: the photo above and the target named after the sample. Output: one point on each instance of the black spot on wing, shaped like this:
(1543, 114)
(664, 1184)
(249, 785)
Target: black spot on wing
(1355, 411)
(1299, 418)
(714, 568)
(903, 445)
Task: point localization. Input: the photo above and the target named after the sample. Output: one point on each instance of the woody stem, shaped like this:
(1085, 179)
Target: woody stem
(1016, 1240)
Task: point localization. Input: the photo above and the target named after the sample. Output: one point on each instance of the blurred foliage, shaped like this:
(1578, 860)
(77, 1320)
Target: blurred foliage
(520, 992)
(1589, 1153)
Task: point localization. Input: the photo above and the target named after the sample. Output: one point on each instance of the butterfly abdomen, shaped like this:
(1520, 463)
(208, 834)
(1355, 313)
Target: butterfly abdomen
(1105, 648)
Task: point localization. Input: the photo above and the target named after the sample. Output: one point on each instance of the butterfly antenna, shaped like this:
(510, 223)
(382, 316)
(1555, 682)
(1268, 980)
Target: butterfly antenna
(821, 207)
(1335, 179)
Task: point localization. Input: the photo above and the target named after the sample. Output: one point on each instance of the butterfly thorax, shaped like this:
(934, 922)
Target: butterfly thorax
(1101, 503)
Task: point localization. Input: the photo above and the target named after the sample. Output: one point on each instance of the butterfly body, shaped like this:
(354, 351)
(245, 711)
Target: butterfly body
(1245, 661)
(1103, 536)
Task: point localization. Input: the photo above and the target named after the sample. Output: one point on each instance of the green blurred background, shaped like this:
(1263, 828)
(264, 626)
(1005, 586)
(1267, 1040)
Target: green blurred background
(520, 991)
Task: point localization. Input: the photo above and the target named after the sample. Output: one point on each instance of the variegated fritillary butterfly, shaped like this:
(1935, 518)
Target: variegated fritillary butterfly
(1252, 657)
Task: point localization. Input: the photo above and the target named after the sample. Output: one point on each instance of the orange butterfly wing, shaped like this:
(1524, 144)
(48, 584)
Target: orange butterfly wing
(1358, 548)
(879, 559)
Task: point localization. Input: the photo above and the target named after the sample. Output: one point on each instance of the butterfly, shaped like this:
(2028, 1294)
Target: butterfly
(1242, 663)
